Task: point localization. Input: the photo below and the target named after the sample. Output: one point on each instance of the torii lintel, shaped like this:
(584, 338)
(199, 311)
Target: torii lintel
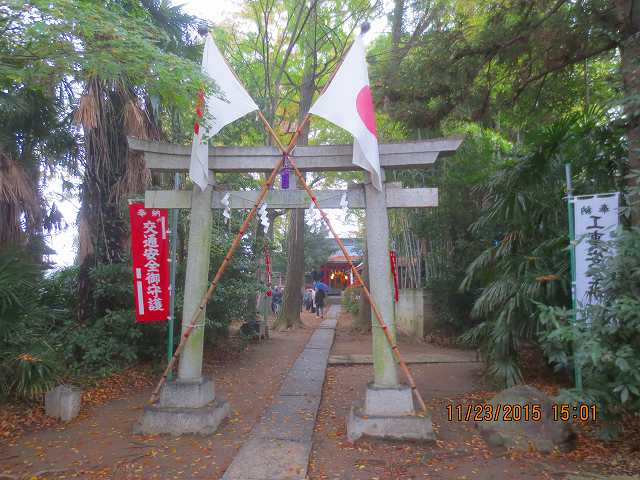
(417, 154)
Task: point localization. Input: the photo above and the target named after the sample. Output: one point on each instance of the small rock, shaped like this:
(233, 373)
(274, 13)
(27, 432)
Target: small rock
(543, 436)
(63, 402)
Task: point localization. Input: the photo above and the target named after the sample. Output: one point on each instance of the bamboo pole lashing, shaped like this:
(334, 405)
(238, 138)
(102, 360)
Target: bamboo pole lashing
(236, 242)
(214, 282)
(374, 306)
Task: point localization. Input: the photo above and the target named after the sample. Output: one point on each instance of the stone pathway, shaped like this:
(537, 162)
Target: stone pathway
(279, 445)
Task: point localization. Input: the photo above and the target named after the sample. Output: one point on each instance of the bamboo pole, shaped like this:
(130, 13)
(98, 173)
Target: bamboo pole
(374, 307)
(238, 238)
(216, 279)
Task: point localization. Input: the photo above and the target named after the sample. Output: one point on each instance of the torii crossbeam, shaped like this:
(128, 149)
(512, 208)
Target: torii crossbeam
(336, 157)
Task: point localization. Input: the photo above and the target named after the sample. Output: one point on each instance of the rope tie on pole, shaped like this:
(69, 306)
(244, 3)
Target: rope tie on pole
(263, 191)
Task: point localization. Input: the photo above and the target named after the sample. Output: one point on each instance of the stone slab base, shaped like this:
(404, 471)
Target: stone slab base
(187, 393)
(406, 427)
(180, 420)
(388, 401)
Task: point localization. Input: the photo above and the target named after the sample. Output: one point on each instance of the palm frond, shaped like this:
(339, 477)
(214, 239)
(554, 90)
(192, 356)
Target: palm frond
(18, 201)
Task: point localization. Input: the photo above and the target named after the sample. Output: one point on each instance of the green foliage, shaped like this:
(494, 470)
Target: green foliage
(351, 299)
(107, 343)
(109, 340)
(29, 364)
(234, 295)
(450, 244)
(525, 230)
(519, 64)
(44, 42)
(31, 375)
(318, 246)
(605, 341)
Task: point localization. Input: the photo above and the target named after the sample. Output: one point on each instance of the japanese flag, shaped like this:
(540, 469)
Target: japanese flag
(348, 103)
(230, 102)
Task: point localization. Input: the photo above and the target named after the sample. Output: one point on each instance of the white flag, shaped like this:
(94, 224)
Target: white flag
(348, 103)
(229, 103)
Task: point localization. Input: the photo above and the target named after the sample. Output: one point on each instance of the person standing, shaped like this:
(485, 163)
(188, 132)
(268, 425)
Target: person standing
(319, 300)
(276, 300)
(307, 299)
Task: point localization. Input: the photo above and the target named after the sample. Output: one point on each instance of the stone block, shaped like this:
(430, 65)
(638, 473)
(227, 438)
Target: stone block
(179, 421)
(302, 380)
(322, 338)
(329, 323)
(384, 401)
(187, 393)
(408, 427)
(543, 434)
(63, 402)
(414, 312)
(278, 459)
(289, 418)
(312, 357)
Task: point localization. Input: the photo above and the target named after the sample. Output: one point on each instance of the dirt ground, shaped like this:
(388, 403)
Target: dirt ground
(458, 453)
(99, 443)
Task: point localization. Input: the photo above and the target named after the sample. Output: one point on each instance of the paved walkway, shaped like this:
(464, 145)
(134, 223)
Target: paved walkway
(279, 445)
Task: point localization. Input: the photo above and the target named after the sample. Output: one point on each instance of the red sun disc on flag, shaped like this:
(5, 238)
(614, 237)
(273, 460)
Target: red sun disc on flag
(364, 105)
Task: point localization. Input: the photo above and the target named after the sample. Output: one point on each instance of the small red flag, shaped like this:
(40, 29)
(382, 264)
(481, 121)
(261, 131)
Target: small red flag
(394, 271)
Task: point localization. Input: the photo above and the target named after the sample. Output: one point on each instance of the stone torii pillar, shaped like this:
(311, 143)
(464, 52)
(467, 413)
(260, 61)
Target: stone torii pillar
(388, 409)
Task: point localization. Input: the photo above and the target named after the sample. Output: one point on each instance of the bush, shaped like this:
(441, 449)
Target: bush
(42, 340)
(29, 365)
(111, 338)
(33, 375)
(608, 343)
(524, 225)
(351, 299)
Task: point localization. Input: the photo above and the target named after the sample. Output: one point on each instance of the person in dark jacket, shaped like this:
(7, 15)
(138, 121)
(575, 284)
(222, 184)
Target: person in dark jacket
(320, 295)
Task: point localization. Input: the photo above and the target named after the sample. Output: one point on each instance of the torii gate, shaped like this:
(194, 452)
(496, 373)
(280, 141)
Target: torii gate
(187, 404)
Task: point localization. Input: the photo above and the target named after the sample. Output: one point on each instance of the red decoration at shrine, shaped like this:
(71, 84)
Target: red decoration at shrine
(199, 111)
(150, 258)
(267, 264)
(394, 271)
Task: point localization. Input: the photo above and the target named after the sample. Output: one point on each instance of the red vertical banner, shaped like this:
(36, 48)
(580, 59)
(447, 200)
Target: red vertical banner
(267, 263)
(150, 258)
(394, 270)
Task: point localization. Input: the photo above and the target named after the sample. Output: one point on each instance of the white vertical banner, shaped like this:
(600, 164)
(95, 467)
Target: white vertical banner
(596, 219)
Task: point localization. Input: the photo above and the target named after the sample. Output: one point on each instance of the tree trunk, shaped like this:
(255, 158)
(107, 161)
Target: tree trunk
(629, 16)
(396, 33)
(292, 302)
(102, 229)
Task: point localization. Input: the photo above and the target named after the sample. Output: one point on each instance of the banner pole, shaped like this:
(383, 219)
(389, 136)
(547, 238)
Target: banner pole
(173, 258)
(577, 369)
